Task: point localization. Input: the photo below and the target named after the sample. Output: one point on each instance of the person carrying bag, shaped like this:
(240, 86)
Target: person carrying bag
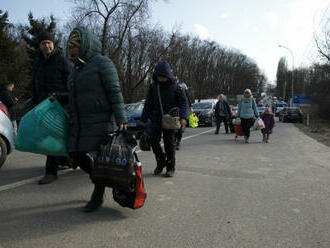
(166, 107)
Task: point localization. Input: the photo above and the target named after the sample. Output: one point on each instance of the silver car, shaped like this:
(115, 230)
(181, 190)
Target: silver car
(7, 134)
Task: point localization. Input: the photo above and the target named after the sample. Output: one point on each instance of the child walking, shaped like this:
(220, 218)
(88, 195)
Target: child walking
(268, 119)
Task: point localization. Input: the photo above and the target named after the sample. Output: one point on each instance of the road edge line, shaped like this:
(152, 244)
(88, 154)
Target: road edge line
(62, 172)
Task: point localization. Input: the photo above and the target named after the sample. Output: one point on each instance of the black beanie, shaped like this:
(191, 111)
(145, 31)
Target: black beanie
(45, 36)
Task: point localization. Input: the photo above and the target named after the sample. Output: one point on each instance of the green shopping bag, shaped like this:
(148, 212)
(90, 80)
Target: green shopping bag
(193, 120)
(44, 130)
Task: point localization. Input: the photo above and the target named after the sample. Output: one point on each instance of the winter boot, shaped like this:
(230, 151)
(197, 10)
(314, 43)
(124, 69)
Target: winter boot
(96, 199)
(170, 168)
(48, 178)
(160, 165)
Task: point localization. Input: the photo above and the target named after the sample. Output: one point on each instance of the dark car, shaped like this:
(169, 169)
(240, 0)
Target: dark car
(134, 113)
(292, 114)
(205, 112)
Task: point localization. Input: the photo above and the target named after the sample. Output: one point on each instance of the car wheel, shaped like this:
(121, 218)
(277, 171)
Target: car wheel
(3, 152)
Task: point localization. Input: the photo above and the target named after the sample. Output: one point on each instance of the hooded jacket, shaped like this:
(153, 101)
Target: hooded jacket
(171, 95)
(96, 101)
(50, 76)
(247, 109)
(7, 99)
(217, 110)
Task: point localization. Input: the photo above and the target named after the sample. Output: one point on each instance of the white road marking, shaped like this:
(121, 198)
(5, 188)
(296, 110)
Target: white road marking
(35, 179)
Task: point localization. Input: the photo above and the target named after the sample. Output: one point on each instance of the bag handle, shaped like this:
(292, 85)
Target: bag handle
(160, 100)
(136, 157)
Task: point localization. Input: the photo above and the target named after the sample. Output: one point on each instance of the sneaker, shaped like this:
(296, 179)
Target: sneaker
(169, 173)
(48, 178)
(93, 205)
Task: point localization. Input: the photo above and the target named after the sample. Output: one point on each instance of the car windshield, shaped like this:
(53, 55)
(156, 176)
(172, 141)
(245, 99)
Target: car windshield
(137, 107)
(202, 105)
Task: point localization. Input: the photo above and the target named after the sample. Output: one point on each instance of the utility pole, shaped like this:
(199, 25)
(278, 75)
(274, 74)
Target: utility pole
(292, 79)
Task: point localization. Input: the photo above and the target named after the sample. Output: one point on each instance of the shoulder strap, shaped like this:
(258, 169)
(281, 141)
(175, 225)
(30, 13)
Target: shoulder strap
(160, 100)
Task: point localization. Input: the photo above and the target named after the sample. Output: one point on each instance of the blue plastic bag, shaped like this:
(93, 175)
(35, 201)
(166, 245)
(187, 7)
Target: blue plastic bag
(44, 130)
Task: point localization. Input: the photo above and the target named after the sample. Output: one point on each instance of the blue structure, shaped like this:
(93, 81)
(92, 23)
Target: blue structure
(302, 99)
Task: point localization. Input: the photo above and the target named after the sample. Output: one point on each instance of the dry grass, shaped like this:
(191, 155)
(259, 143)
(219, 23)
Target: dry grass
(319, 130)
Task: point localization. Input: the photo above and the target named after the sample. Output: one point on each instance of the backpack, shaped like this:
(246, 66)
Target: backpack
(114, 163)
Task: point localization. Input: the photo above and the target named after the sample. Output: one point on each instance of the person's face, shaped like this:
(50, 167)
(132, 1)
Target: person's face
(46, 47)
(10, 87)
(162, 79)
(247, 94)
(74, 52)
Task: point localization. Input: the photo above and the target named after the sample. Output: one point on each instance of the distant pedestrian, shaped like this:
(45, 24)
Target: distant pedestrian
(222, 113)
(268, 118)
(179, 133)
(247, 110)
(164, 89)
(50, 76)
(10, 101)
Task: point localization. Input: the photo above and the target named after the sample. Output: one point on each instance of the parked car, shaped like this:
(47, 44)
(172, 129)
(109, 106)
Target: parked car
(278, 111)
(7, 134)
(205, 112)
(292, 114)
(134, 113)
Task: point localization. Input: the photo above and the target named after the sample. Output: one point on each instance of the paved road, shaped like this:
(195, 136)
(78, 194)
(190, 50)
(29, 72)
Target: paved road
(225, 194)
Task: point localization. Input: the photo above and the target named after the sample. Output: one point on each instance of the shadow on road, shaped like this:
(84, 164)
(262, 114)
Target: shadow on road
(50, 219)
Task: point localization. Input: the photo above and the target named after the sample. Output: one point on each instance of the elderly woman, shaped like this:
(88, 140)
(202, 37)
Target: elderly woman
(222, 113)
(247, 110)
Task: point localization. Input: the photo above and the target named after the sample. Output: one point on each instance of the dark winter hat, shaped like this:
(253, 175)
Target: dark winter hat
(45, 36)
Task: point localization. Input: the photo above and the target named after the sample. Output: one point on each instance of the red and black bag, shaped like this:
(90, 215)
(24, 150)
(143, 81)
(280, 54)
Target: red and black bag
(114, 164)
(136, 198)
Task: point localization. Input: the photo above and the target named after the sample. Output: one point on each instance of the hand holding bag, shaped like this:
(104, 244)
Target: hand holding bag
(169, 121)
(258, 124)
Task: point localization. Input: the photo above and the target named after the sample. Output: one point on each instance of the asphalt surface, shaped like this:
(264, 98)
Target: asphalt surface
(225, 194)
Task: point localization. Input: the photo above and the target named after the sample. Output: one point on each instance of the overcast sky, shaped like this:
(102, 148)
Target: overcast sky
(255, 27)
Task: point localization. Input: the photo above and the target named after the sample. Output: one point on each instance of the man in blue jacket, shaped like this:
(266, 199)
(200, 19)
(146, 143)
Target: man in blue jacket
(171, 96)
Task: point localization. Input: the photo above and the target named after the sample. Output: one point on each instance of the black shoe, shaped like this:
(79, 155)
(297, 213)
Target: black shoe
(159, 169)
(216, 132)
(169, 173)
(177, 146)
(160, 166)
(48, 178)
(93, 205)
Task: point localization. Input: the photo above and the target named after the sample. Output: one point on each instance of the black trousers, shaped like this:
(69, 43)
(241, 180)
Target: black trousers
(84, 161)
(169, 145)
(53, 162)
(224, 120)
(246, 125)
(179, 134)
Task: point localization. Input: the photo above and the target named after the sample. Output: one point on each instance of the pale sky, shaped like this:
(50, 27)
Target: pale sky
(255, 27)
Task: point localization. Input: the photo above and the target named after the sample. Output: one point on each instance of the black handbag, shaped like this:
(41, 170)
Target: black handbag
(114, 163)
